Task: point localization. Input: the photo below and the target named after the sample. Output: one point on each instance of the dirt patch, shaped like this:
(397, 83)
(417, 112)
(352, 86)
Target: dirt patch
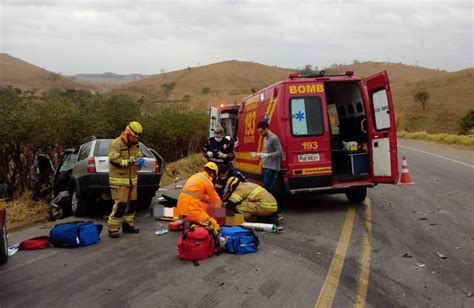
(182, 169)
(24, 212)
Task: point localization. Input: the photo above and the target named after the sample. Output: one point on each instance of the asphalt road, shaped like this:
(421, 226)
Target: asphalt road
(384, 253)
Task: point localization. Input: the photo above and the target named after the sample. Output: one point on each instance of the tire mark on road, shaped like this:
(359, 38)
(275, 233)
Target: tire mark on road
(363, 281)
(326, 295)
(29, 262)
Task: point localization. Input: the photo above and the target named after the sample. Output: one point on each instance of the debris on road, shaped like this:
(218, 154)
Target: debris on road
(13, 249)
(406, 255)
(161, 229)
(469, 294)
(441, 255)
(422, 218)
(420, 265)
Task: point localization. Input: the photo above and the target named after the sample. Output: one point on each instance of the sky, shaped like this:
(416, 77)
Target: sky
(147, 37)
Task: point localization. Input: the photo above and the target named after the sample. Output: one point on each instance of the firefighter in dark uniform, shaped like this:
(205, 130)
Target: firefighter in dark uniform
(125, 158)
(219, 149)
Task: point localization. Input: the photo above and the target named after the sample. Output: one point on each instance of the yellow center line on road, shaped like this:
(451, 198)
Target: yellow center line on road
(363, 281)
(326, 295)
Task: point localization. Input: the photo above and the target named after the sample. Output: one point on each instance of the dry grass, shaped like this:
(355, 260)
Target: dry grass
(182, 169)
(451, 96)
(397, 72)
(463, 140)
(230, 81)
(23, 212)
(24, 75)
(227, 82)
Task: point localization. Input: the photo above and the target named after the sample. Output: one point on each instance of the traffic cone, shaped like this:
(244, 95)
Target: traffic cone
(405, 177)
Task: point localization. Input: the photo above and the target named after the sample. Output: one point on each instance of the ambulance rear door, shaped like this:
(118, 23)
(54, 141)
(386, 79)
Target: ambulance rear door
(382, 130)
(213, 113)
(308, 152)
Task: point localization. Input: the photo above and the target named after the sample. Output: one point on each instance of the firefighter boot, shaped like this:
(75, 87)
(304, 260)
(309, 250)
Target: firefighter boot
(114, 234)
(130, 229)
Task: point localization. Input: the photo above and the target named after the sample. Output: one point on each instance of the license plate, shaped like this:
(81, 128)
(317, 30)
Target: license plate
(303, 158)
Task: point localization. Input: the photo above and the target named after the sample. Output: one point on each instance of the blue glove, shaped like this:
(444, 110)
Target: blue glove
(140, 162)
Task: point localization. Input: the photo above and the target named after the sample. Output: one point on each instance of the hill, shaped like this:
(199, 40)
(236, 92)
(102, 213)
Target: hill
(397, 72)
(451, 96)
(25, 76)
(200, 87)
(106, 81)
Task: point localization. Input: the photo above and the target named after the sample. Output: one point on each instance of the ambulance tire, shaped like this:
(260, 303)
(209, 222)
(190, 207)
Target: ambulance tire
(357, 195)
(3, 245)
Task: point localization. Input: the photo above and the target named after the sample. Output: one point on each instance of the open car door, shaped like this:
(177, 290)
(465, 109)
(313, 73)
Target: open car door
(62, 177)
(382, 130)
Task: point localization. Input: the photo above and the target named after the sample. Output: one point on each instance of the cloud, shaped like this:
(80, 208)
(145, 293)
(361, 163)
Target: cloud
(73, 36)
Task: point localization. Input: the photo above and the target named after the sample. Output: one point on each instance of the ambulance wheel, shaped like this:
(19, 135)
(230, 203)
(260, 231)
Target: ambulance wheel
(3, 245)
(357, 195)
(78, 205)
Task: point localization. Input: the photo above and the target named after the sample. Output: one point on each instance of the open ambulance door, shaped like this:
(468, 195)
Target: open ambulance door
(382, 130)
(213, 113)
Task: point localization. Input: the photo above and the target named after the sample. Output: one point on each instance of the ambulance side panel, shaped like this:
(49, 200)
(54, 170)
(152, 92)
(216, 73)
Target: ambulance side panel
(253, 110)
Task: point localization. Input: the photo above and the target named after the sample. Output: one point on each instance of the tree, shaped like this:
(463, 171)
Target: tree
(422, 97)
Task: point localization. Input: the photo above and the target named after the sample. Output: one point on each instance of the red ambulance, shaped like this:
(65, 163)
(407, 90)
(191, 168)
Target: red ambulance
(337, 132)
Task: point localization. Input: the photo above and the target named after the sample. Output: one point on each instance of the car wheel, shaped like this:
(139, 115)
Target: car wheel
(357, 195)
(78, 205)
(3, 245)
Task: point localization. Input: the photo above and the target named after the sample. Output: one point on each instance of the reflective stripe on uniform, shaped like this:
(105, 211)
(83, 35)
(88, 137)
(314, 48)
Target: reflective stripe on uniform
(196, 196)
(124, 162)
(202, 177)
(235, 198)
(122, 181)
(268, 205)
(255, 192)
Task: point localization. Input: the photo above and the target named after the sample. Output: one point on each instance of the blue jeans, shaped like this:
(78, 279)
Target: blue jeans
(269, 179)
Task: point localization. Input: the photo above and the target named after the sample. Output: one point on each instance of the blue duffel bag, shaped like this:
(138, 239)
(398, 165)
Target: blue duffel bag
(238, 240)
(75, 234)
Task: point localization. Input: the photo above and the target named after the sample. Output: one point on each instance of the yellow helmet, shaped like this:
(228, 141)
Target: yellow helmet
(212, 166)
(232, 184)
(135, 129)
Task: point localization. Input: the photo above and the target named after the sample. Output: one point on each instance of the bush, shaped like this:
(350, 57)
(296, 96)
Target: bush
(168, 87)
(205, 90)
(443, 138)
(56, 121)
(466, 124)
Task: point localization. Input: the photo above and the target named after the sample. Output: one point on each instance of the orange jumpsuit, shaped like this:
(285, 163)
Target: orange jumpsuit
(198, 193)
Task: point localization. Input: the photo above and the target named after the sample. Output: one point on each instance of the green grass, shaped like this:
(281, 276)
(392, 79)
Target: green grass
(465, 140)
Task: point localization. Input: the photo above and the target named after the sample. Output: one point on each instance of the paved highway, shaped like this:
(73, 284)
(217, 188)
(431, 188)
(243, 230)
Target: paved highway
(385, 252)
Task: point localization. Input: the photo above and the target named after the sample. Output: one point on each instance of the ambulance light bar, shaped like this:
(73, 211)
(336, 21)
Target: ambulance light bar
(293, 75)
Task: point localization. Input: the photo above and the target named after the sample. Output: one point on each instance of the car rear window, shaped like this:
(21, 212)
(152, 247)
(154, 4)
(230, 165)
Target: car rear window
(102, 148)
